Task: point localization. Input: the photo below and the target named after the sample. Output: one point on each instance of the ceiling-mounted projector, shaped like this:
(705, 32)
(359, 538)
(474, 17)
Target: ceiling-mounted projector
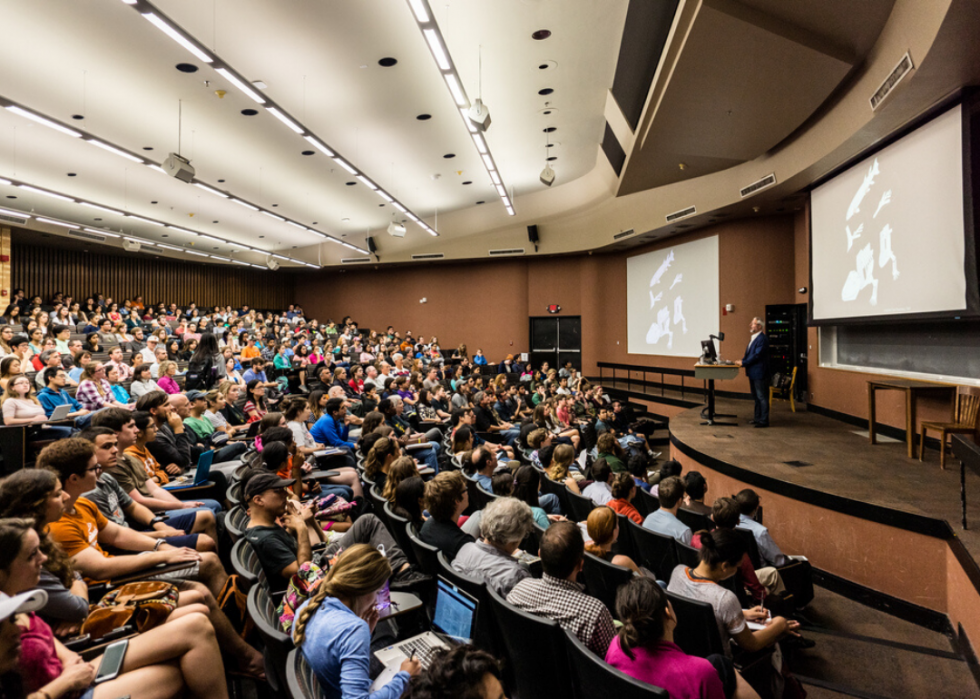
(548, 176)
(479, 115)
(396, 230)
(131, 246)
(178, 166)
(271, 264)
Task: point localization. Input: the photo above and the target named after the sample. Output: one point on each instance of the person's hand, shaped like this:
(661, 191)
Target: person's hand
(174, 421)
(557, 518)
(66, 629)
(738, 362)
(791, 627)
(172, 469)
(180, 555)
(294, 523)
(371, 616)
(756, 614)
(78, 676)
(191, 504)
(412, 666)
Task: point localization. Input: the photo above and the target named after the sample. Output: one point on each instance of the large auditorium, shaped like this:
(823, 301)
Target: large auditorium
(472, 349)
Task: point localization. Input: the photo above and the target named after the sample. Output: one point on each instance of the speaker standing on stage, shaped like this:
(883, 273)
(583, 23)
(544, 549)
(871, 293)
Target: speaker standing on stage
(756, 363)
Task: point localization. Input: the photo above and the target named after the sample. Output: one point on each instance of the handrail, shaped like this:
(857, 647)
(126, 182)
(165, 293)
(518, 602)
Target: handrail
(663, 371)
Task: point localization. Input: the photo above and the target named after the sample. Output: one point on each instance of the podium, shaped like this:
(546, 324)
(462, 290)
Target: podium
(712, 373)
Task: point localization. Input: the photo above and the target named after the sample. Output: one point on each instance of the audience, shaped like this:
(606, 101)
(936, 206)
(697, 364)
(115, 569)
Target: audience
(446, 497)
(664, 521)
(504, 524)
(623, 490)
(603, 528)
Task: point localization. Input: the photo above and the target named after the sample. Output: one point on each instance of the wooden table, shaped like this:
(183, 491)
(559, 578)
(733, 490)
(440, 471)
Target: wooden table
(912, 390)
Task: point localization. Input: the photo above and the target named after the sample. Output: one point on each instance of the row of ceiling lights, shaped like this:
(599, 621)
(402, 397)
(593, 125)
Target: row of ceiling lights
(437, 45)
(140, 219)
(159, 20)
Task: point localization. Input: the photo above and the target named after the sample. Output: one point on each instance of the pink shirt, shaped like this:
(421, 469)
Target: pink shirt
(168, 384)
(39, 663)
(666, 666)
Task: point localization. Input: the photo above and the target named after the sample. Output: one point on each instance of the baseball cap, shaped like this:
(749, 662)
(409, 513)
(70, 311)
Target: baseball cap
(194, 395)
(24, 602)
(261, 482)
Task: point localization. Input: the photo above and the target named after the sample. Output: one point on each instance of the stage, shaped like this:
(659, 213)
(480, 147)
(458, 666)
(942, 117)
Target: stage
(866, 514)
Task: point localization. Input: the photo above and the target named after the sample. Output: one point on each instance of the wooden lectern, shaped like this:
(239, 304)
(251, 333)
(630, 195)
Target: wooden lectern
(711, 373)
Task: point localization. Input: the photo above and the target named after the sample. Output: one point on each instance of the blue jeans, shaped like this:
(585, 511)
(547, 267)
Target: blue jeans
(430, 456)
(341, 491)
(549, 503)
(760, 394)
(510, 436)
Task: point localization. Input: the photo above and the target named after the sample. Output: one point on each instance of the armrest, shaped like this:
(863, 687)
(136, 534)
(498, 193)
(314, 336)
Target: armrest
(161, 569)
(319, 475)
(85, 643)
(98, 649)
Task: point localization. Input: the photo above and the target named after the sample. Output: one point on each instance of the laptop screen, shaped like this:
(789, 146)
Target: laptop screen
(455, 612)
(203, 466)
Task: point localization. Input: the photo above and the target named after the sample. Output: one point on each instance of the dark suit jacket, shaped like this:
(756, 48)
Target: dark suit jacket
(756, 359)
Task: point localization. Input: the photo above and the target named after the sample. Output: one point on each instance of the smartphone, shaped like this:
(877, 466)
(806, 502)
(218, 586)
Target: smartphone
(112, 661)
(383, 599)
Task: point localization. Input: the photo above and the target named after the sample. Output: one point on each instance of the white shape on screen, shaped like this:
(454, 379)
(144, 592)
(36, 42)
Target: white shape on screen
(662, 270)
(677, 280)
(655, 299)
(886, 254)
(679, 313)
(861, 276)
(886, 199)
(661, 329)
(851, 237)
(863, 190)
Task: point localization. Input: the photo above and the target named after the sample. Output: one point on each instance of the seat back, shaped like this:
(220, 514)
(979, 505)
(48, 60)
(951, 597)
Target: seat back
(536, 649)
(398, 524)
(602, 579)
(245, 563)
(484, 632)
(301, 683)
(478, 496)
(592, 676)
(276, 644)
(378, 502)
(579, 506)
(654, 550)
(696, 631)
(687, 555)
(695, 520)
(967, 408)
(558, 489)
(645, 503)
(234, 493)
(235, 522)
(424, 553)
(752, 548)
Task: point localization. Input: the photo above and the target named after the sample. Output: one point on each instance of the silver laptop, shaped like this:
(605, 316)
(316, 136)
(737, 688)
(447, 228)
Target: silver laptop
(60, 412)
(453, 624)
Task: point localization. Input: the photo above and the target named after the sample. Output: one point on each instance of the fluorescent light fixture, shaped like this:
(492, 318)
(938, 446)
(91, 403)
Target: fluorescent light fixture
(176, 36)
(454, 87)
(400, 207)
(293, 223)
(44, 192)
(418, 8)
(211, 238)
(245, 204)
(481, 145)
(157, 168)
(144, 220)
(240, 84)
(272, 215)
(438, 50)
(284, 119)
(510, 210)
(385, 195)
(136, 240)
(412, 216)
(241, 262)
(46, 122)
(113, 149)
(219, 257)
(98, 232)
(310, 264)
(318, 233)
(488, 161)
(3, 181)
(264, 269)
(101, 208)
(18, 214)
(495, 176)
(505, 201)
(344, 164)
(169, 247)
(367, 182)
(129, 2)
(210, 190)
(319, 146)
(199, 254)
(501, 191)
(280, 257)
(181, 230)
(469, 123)
(56, 223)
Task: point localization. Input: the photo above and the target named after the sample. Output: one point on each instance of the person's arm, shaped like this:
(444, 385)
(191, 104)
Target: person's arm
(158, 499)
(751, 641)
(603, 633)
(769, 550)
(304, 553)
(65, 605)
(94, 565)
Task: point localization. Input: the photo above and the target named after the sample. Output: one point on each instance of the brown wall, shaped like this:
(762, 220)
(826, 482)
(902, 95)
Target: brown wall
(79, 270)
(487, 304)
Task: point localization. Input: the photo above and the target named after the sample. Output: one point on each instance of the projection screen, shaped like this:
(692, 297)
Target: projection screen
(672, 299)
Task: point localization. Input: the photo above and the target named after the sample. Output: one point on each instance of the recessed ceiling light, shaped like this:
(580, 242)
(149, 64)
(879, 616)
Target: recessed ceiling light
(220, 180)
(274, 205)
(216, 222)
(78, 117)
(308, 152)
(387, 62)
(449, 155)
(147, 147)
(72, 174)
(550, 145)
(543, 66)
(11, 196)
(541, 34)
(553, 157)
(186, 67)
(468, 182)
(480, 202)
(250, 112)
(545, 91)
(154, 202)
(424, 117)
(550, 129)
(350, 184)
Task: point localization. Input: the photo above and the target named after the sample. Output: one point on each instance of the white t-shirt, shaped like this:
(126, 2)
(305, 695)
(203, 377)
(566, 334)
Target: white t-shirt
(728, 611)
(301, 434)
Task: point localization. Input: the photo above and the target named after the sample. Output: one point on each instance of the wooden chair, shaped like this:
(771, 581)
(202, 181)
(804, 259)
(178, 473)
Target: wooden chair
(784, 393)
(964, 421)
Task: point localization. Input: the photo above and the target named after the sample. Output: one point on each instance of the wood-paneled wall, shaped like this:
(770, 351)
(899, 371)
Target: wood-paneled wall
(62, 265)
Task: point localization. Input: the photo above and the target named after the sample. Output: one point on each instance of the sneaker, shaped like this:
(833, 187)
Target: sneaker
(409, 579)
(654, 454)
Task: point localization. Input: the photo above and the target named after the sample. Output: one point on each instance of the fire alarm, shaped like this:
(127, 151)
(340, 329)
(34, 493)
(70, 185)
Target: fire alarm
(4, 258)
(554, 308)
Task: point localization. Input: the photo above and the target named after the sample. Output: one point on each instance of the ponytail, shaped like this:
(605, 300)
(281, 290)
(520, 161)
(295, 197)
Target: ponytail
(381, 449)
(641, 604)
(721, 546)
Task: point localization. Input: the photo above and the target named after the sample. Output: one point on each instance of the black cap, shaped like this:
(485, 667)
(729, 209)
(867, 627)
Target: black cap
(261, 482)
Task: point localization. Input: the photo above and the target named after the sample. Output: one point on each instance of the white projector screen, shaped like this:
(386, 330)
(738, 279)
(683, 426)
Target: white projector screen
(672, 299)
(887, 234)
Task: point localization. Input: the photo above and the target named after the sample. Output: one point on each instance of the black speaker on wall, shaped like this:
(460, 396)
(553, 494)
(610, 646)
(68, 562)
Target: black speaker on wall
(371, 246)
(532, 236)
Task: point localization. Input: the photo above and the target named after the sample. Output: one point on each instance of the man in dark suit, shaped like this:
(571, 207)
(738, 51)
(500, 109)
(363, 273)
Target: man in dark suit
(756, 363)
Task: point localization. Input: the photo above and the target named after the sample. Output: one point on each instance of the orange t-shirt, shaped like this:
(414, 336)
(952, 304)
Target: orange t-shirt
(79, 530)
(152, 466)
(624, 507)
(251, 352)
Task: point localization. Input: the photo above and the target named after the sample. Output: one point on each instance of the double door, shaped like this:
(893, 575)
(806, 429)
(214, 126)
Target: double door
(556, 340)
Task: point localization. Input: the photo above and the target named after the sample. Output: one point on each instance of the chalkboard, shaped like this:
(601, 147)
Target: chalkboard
(940, 348)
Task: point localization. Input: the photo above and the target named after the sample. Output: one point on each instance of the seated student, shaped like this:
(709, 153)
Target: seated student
(279, 456)
(482, 465)
(20, 407)
(623, 489)
(256, 406)
(465, 417)
(644, 649)
(603, 528)
(202, 429)
(598, 491)
(664, 521)
(392, 408)
(410, 501)
(333, 628)
(160, 662)
(333, 430)
(538, 439)
(143, 381)
(167, 381)
(558, 596)
(402, 468)
(381, 455)
(177, 529)
(503, 525)
(721, 554)
(748, 505)
(282, 549)
(446, 497)
(695, 488)
(527, 488)
(487, 421)
(669, 469)
(116, 360)
(462, 672)
(94, 391)
(561, 469)
(118, 390)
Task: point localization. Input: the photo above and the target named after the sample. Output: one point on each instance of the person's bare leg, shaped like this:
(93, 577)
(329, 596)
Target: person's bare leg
(743, 690)
(348, 477)
(247, 658)
(212, 573)
(204, 523)
(154, 682)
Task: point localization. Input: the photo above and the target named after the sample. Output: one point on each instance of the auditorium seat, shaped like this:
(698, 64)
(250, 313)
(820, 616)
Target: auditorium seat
(602, 579)
(276, 644)
(245, 563)
(579, 506)
(695, 520)
(235, 522)
(645, 503)
(696, 631)
(424, 553)
(654, 550)
(484, 635)
(397, 527)
(593, 677)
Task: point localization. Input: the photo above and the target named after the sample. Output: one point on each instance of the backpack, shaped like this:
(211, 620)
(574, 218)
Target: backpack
(200, 375)
(233, 601)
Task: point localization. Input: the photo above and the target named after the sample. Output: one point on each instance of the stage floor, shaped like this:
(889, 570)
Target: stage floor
(840, 461)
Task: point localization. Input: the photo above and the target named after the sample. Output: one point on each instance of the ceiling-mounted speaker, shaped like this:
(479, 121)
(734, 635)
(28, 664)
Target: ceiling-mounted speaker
(271, 264)
(178, 166)
(532, 235)
(371, 246)
(131, 246)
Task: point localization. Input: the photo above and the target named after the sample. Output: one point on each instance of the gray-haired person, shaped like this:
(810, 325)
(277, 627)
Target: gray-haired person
(503, 525)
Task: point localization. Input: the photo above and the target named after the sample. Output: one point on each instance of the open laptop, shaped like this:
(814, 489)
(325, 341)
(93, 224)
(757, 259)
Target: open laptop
(200, 475)
(60, 412)
(453, 624)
